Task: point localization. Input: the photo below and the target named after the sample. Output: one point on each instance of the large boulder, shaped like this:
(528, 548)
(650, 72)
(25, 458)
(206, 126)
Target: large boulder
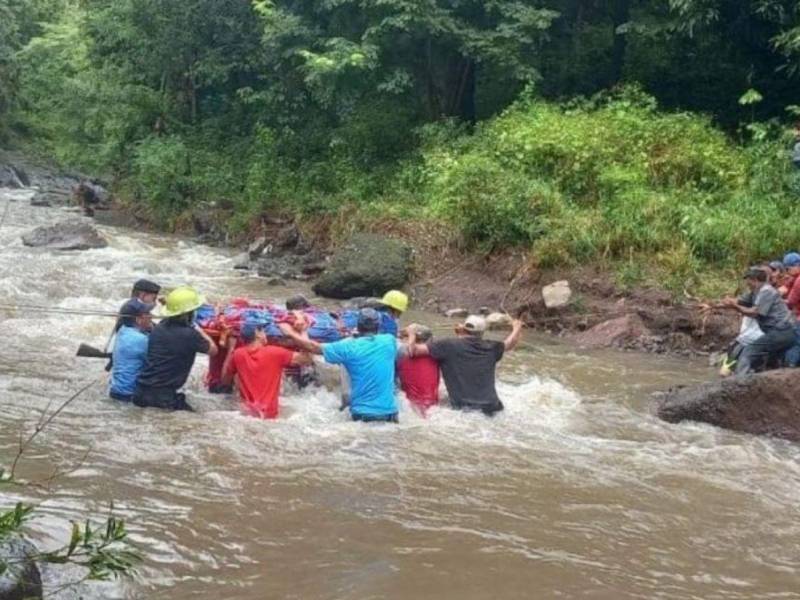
(72, 234)
(368, 265)
(763, 404)
(556, 295)
(614, 332)
(22, 580)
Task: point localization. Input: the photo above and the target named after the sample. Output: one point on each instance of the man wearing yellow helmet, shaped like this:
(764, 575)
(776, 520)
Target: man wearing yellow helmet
(171, 351)
(393, 304)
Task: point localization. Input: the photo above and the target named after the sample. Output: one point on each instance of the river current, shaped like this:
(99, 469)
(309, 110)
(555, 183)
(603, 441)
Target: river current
(575, 491)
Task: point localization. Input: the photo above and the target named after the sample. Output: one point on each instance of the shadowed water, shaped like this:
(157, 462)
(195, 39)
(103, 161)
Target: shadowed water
(575, 491)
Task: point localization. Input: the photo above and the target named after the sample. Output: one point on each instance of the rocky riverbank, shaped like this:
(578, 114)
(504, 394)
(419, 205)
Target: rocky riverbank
(585, 306)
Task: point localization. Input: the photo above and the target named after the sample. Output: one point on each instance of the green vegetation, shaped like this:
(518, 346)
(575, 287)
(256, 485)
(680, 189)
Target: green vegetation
(648, 135)
(102, 551)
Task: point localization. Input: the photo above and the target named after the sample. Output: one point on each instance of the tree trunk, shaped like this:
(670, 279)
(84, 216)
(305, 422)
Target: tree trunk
(620, 14)
(467, 108)
(461, 101)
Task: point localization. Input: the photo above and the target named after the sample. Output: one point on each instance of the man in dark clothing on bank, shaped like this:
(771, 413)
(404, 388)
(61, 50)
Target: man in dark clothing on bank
(171, 351)
(763, 303)
(468, 364)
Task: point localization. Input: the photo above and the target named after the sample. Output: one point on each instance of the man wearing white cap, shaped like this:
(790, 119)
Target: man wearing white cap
(468, 364)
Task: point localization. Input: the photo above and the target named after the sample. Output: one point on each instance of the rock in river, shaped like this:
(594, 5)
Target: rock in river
(22, 581)
(72, 234)
(762, 404)
(13, 177)
(368, 265)
(615, 332)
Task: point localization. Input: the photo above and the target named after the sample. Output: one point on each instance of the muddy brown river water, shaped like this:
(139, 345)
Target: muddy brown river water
(576, 491)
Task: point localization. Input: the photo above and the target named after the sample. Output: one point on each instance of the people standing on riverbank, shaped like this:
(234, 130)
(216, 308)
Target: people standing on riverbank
(130, 348)
(468, 363)
(173, 346)
(369, 359)
(258, 369)
(763, 303)
(419, 376)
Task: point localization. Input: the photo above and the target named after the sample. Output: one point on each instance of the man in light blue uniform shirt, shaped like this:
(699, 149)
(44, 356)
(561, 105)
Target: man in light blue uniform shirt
(370, 361)
(130, 348)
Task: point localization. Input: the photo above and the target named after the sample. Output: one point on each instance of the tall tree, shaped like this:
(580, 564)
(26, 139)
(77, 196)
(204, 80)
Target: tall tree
(433, 50)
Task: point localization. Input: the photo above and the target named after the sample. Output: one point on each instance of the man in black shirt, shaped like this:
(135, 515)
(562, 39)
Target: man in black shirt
(171, 351)
(468, 364)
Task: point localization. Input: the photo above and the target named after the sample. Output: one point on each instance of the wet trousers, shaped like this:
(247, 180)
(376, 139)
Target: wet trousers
(165, 398)
(754, 355)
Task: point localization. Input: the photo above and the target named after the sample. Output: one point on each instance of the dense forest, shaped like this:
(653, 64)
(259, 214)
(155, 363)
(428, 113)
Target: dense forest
(578, 128)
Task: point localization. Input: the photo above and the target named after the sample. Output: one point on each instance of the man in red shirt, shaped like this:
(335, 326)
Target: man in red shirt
(258, 368)
(419, 375)
(792, 263)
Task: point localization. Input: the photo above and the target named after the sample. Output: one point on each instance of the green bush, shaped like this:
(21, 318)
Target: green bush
(612, 178)
(161, 172)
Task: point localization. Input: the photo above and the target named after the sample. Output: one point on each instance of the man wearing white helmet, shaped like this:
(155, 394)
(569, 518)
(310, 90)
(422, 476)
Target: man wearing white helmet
(468, 364)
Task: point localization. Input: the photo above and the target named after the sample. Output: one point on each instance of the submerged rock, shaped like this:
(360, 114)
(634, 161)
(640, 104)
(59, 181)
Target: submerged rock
(456, 313)
(242, 262)
(257, 247)
(368, 265)
(761, 404)
(22, 580)
(13, 177)
(72, 234)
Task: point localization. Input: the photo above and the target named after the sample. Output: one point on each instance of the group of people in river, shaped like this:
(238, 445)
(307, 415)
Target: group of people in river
(150, 363)
(769, 335)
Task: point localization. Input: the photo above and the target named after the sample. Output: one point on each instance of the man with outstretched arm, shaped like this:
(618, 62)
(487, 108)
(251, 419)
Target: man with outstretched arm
(369, 360)
(468, 364)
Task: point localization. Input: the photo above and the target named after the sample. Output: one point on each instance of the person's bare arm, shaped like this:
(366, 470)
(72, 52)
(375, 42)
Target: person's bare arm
(513, 338)
(733, 304)
(747, 311)
(213, 350)
(409, 344)
(301, 359)
(310, 346)
(419, 350)
(724, 304)
(290, 332)
(227, 373)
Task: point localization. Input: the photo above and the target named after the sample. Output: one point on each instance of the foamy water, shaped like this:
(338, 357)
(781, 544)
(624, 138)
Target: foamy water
(576, 490)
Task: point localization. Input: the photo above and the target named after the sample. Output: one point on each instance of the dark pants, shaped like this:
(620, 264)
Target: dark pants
(120, 397)
(220, 388)
(793, 354)
(165, 398)
(376, 418)
(489, 410)
(755, 355)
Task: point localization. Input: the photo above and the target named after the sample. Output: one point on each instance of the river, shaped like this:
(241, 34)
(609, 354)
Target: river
(575, 491)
